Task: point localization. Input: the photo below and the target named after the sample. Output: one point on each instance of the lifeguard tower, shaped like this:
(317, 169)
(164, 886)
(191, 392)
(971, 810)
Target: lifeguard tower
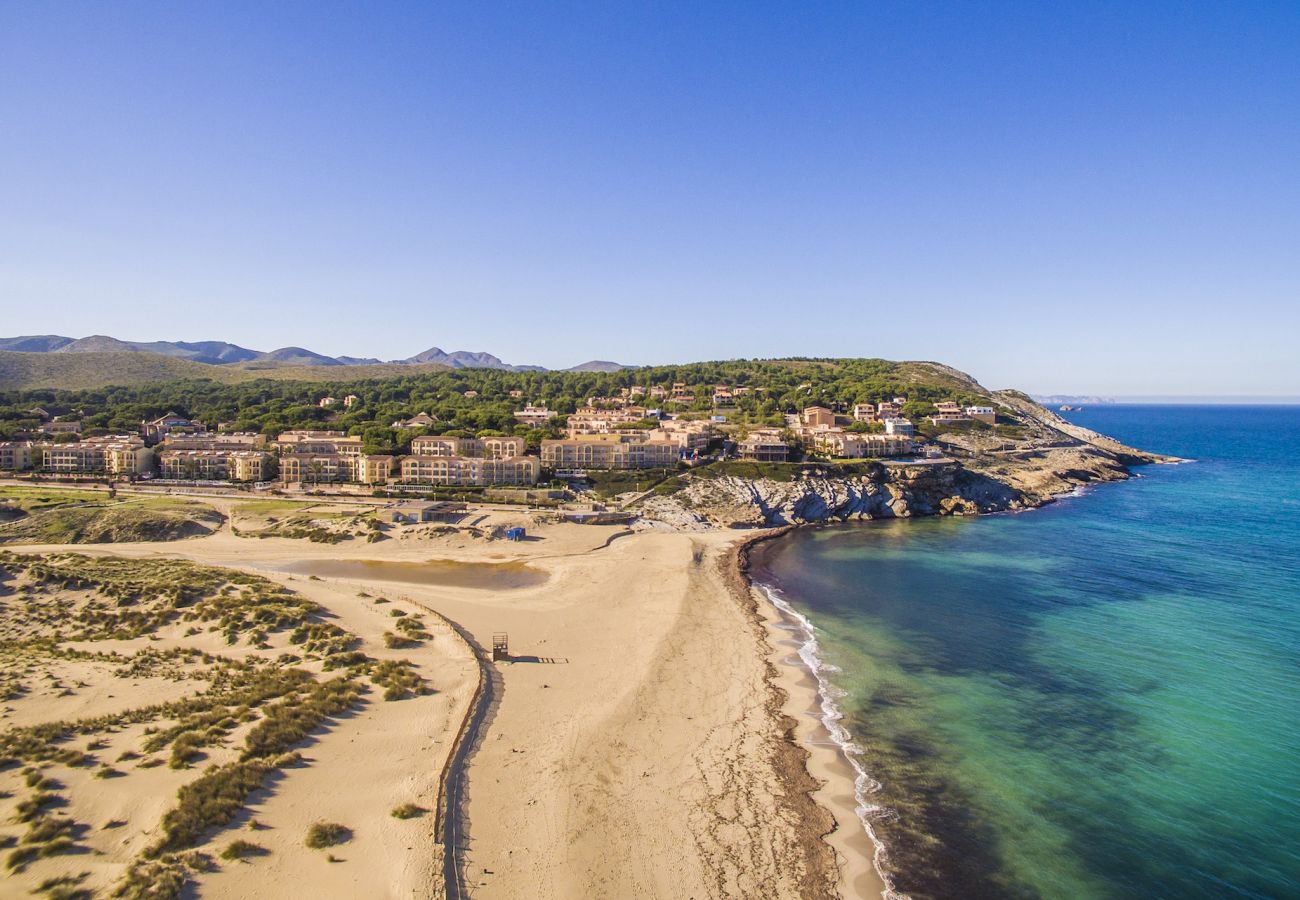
(500, 646)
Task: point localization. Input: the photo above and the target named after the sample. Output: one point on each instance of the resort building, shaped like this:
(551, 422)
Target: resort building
(492, 447)
(764, 446)
(886, 411)
(609, 451)
(159, 428)
(534, 415)
(377, 468)
(818, 415)
(985, 414)
(312, 467)
(949, 413)
(15, 455)
(469, 471)
(216, 465)
(848, 445)
(864, 412)
(238, 440)
(61, 426)
(112, 455)
(688, 435)
(422, 420)
(900, 428)
(318, 442)
(658, 391)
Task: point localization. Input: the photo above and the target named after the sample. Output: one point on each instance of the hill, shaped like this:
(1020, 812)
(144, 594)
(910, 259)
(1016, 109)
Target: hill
(597, 365)
(221, 353)
(84, 370)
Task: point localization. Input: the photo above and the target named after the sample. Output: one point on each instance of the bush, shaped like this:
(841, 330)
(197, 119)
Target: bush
(327, 834)
(408, 811)
(242, 849)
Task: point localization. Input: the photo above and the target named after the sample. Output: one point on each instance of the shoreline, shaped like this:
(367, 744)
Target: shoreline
(800, 706)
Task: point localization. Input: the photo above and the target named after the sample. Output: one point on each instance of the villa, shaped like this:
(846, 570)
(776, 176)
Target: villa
(534, 415)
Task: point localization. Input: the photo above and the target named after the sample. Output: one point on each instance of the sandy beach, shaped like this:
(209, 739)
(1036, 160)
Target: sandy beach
(638, 742)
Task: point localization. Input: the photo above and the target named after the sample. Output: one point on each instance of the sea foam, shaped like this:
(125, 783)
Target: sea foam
(832, 716)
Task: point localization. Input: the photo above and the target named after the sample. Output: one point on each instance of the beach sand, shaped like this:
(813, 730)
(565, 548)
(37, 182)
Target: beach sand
(638, 744)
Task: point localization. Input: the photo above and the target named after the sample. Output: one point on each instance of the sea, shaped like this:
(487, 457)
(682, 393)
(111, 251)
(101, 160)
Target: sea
(1095, 699)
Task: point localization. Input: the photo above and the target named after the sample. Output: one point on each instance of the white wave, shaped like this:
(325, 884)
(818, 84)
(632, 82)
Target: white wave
(832, 718)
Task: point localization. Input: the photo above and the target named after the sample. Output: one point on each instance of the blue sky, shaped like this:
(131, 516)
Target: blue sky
(1098, 198)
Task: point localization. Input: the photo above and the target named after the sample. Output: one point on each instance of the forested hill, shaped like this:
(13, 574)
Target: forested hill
(271, 405)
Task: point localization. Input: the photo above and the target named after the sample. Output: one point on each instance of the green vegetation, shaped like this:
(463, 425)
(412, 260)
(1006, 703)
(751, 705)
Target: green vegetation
(110, 522)
(408, 811)
(397, 393)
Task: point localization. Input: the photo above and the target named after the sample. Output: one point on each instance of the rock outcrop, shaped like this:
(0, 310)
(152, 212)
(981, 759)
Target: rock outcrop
(986, 473)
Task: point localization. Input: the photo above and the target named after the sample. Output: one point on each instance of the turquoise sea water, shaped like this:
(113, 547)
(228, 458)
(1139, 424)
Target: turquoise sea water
(1100, 698)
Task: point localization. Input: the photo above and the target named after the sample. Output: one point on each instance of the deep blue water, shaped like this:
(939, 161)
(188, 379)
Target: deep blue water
(1094, 699)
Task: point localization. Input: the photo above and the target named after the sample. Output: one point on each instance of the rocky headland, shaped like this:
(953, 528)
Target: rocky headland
(978, 472)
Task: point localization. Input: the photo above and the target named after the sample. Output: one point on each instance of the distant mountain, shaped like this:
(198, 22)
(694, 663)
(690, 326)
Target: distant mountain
(34, 343)
(464, 359)
(598, 365)
(212, 352)
(1070, 399)
(298, 356)
(221, 353)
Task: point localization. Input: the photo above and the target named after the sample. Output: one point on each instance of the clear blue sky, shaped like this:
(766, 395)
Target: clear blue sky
(1090, 197)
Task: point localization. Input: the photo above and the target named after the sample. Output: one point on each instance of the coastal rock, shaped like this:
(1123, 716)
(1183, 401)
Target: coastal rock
(888, 490)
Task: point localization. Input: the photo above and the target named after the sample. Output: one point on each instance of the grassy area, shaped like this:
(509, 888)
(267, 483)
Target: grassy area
(33, 499)
(104, 521)
(621, 481)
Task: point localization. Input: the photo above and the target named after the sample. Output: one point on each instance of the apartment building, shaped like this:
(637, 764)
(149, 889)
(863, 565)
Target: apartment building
(317, 468)
(318, 442)
(238, 440)
(469, 470)
(688, 435)
(309, 466)
(609, 451)
(492, 447)
(818, 415)
(111, 455)
(900, 428)
(216, 465)
(15, 455)
(848, 445)
(864, 412)
(764, 446)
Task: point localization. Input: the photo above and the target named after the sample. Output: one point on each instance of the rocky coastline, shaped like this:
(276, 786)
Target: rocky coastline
(976, 476)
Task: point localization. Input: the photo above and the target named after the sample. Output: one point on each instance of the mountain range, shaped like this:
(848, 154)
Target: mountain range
(220, 353)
